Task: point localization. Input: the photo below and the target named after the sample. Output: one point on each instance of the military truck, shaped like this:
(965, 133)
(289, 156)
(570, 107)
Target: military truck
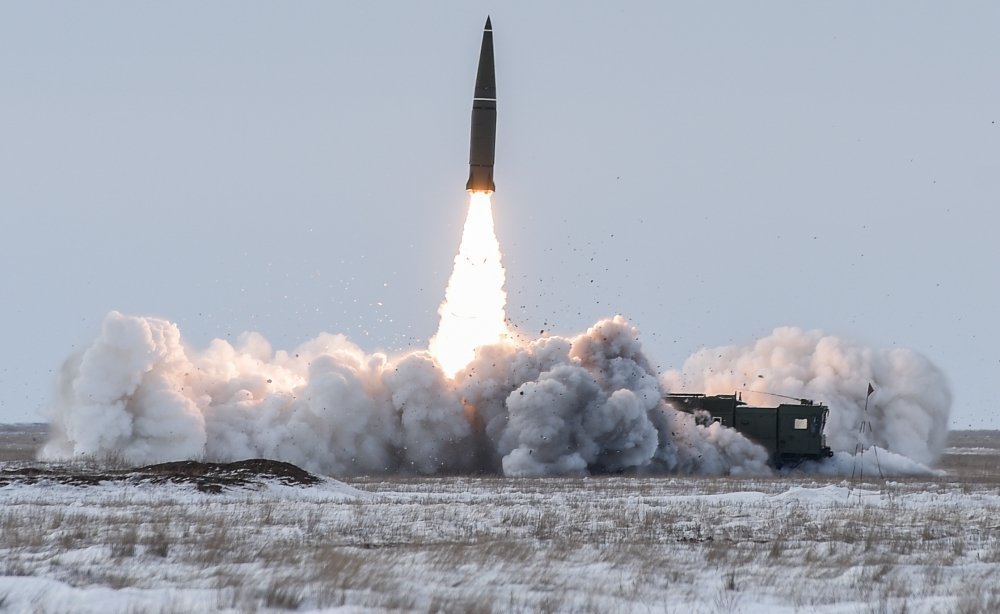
(791, 433)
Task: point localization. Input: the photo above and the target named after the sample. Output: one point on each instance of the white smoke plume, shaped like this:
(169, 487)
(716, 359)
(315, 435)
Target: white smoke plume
(908, 411)
(554, 406)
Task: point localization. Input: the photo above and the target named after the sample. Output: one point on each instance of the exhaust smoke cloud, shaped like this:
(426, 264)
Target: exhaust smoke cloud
(553, 406)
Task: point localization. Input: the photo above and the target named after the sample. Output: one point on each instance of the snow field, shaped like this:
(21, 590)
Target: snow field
(495, 544)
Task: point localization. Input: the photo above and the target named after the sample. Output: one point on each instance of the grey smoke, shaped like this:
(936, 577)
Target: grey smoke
(553, 406)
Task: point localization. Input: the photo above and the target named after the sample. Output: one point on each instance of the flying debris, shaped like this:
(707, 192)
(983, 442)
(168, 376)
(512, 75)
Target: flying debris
(484, 119)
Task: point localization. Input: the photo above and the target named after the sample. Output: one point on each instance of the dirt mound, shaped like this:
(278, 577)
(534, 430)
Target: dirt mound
(207, 477)
(239, 473)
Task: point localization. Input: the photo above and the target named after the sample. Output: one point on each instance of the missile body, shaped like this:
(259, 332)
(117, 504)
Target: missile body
(484, 119)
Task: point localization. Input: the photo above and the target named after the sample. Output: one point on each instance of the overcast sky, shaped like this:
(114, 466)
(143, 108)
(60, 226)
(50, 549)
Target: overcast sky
(711, 172)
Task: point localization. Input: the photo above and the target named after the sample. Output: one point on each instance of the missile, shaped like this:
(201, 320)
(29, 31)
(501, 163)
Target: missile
(484, 119)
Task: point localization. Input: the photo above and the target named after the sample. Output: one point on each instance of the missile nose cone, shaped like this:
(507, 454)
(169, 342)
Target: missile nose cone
(486, 84)
(488, 26)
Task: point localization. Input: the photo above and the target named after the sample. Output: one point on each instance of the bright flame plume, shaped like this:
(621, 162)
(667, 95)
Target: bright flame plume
(472, 313)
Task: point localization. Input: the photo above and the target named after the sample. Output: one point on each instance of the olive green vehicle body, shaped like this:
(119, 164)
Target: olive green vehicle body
(791, 433)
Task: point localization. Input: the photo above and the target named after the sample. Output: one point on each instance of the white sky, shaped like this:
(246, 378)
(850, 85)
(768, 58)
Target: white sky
(711, 172)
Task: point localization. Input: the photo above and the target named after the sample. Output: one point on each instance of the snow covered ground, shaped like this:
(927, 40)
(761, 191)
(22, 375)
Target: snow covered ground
(782, 544)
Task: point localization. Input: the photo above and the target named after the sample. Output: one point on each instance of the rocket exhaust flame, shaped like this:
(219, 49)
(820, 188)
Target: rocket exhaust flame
(472, 314)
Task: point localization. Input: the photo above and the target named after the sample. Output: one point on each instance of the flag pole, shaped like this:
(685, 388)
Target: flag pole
(859, 448)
